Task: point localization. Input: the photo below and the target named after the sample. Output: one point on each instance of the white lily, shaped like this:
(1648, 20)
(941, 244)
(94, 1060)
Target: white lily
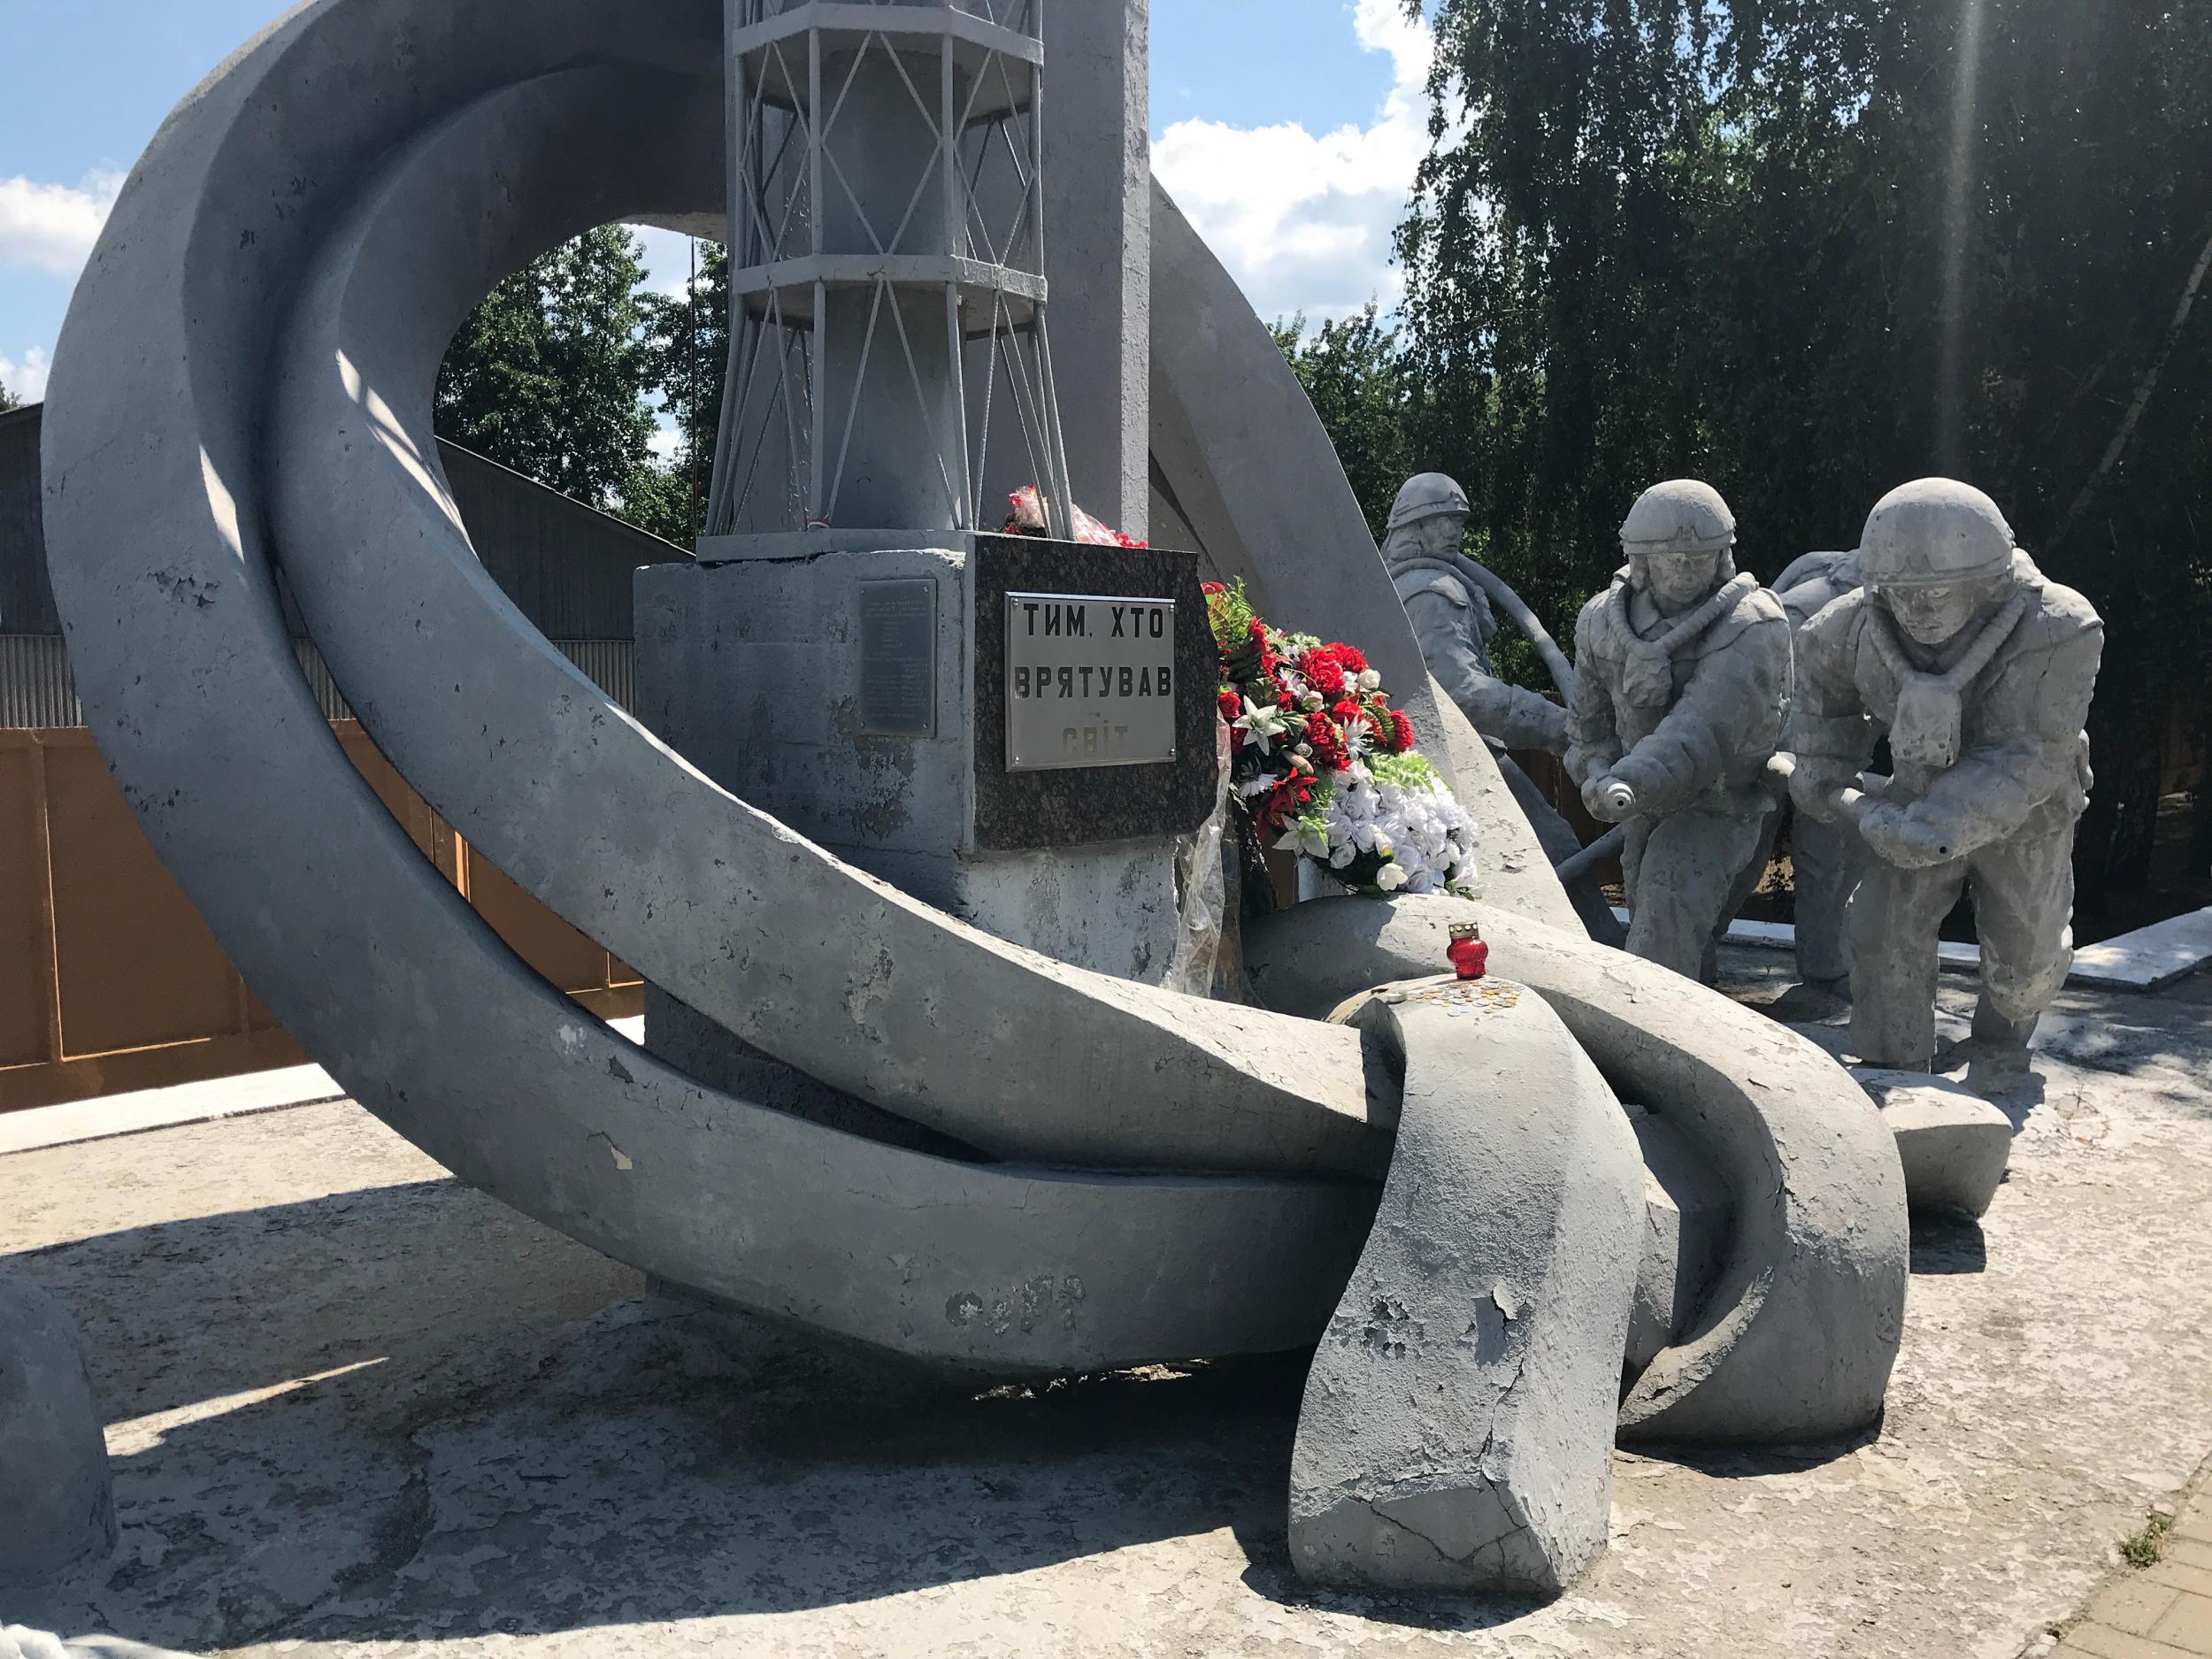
(1264, 726)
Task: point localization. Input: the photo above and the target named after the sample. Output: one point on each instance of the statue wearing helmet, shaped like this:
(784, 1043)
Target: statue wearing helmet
(1453, 620)
(1980, 673)
(1682, 671)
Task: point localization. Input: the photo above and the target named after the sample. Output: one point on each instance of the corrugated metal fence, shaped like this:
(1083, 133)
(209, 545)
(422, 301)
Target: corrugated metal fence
(38, 690)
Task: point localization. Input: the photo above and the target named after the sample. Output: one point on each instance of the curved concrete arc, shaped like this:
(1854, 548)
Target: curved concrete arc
(1799, 1330)
(1237, 439)
(1457, 1429)
(158, 559)
(828, 968)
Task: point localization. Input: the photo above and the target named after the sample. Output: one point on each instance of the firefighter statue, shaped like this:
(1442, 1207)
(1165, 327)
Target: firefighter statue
(1825, 858)
(1980, 673)
(1446, 599)
(1682, 671)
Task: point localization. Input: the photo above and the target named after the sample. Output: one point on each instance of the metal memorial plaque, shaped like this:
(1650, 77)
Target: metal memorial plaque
(898, 657)
(1089, 682)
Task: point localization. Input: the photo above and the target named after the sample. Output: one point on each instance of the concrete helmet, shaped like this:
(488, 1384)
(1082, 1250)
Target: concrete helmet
(1427, 496)
(1679, 516)
(1934, 531)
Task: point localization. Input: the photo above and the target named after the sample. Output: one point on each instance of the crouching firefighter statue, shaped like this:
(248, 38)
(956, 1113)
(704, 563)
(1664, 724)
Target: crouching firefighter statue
(1682, 671)
(1448, 599)
(1980, 673)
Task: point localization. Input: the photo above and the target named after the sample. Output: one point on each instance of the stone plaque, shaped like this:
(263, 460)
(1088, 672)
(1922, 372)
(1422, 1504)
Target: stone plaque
(1090, 681)
(1082, 804)
(898, 657)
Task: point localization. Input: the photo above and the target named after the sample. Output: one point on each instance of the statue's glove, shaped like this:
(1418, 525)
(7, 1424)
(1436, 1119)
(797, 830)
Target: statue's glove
(1902, 836)
(1816, 782)
(1609, 799)
(1555, 733)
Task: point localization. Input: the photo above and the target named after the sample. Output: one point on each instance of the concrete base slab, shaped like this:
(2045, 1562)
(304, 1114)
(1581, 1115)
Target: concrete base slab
(487, 1446)
(2148, 959)
(142, 1110)
(56, 1500)
(1954, 1144)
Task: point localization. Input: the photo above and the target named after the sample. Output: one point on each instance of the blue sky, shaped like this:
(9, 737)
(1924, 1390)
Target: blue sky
(1287, 128)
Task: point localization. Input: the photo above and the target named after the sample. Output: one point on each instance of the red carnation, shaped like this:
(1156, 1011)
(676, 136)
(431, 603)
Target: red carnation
(1328, 747)
(1210, 588)
(1403, 730)
(1354, 663)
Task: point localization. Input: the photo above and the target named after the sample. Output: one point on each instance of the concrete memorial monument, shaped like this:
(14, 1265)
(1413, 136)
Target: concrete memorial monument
(1980, 671)
(905, 1106)
(1682, 679)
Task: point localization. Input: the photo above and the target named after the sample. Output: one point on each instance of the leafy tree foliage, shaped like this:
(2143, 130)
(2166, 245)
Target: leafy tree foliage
(7, 399)
(1357, 372)
(550, 374)
(1810, 250)
(688, 338)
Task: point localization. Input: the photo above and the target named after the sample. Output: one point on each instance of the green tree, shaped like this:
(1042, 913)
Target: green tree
(688, 337)
(1811, 251)
(550, 373)
(1354, 370)
(7, 399)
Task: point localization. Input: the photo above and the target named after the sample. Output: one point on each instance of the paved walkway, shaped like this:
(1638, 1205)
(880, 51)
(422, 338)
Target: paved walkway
(359, 1411)
(2163, 1611)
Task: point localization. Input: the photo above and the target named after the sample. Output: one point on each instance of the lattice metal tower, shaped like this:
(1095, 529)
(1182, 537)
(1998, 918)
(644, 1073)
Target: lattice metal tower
(889, 361)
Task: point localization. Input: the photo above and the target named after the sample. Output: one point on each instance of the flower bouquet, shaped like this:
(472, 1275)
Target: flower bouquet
(1324, 766)
(1027, 517)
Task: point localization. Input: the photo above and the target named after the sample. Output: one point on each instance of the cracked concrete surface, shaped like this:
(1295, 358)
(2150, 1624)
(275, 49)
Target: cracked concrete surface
(357, 1410)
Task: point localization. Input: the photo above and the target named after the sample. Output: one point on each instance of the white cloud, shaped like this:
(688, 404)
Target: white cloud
(664, 443)
(52, 226)
(666, 259)
(26, 380)
(1304, 220)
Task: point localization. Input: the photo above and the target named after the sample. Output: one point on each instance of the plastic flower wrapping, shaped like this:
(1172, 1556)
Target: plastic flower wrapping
(1324, 766)
(1026, 517)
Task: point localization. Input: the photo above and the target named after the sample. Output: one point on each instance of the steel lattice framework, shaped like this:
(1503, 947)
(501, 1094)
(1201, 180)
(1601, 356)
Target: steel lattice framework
(888, 340)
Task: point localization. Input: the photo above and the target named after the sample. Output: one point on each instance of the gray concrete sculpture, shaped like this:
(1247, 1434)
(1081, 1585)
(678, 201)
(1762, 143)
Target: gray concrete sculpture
(1450, 600)
(1980, 671)
(1124, 1174)
(1457, 1430)
(1452, 618)
(1825, 858)
(1794, 1336)
(57, 1497)
(1682, 678)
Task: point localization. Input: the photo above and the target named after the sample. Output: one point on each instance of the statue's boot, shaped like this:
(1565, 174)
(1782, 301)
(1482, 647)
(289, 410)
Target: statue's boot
(1811, 1002)
(1998, 1060)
